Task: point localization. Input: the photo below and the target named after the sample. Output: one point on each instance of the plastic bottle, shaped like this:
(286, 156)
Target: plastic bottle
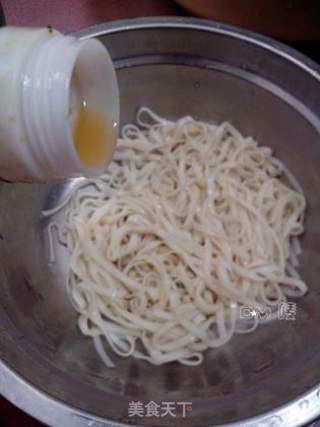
(59, 106)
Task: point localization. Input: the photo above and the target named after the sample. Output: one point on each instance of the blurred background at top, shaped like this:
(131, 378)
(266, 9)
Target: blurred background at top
(291, 20)
(296, 22)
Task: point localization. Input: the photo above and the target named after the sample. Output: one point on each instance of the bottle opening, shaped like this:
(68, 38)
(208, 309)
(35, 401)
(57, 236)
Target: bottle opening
(93, 137)
(70, 107)
(91, 113)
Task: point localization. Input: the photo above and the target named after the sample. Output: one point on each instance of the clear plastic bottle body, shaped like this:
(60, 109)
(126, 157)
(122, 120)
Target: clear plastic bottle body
(49, 82)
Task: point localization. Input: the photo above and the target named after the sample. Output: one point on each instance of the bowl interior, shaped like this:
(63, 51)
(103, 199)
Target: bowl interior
(212, 77)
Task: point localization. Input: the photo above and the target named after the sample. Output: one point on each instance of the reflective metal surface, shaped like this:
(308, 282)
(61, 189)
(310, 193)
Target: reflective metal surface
(268, 378)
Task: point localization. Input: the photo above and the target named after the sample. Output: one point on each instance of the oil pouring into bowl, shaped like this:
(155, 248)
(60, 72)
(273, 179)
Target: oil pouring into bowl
(192, 224)
(245, 388)
(60, 106)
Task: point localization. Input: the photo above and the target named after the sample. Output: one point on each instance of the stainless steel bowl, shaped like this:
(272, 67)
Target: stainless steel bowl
(268, 378)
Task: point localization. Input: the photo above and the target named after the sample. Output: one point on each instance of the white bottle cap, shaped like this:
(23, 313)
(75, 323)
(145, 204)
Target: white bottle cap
(48, 101)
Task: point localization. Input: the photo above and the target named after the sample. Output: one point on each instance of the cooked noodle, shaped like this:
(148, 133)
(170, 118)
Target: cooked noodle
(191, 223)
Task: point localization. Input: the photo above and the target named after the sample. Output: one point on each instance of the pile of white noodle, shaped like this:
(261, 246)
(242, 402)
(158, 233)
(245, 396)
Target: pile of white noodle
(190, 223)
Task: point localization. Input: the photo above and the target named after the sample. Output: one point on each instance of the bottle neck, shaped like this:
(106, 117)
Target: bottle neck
(51, 101)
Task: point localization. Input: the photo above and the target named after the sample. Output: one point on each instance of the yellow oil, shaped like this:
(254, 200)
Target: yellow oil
(93, 137)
